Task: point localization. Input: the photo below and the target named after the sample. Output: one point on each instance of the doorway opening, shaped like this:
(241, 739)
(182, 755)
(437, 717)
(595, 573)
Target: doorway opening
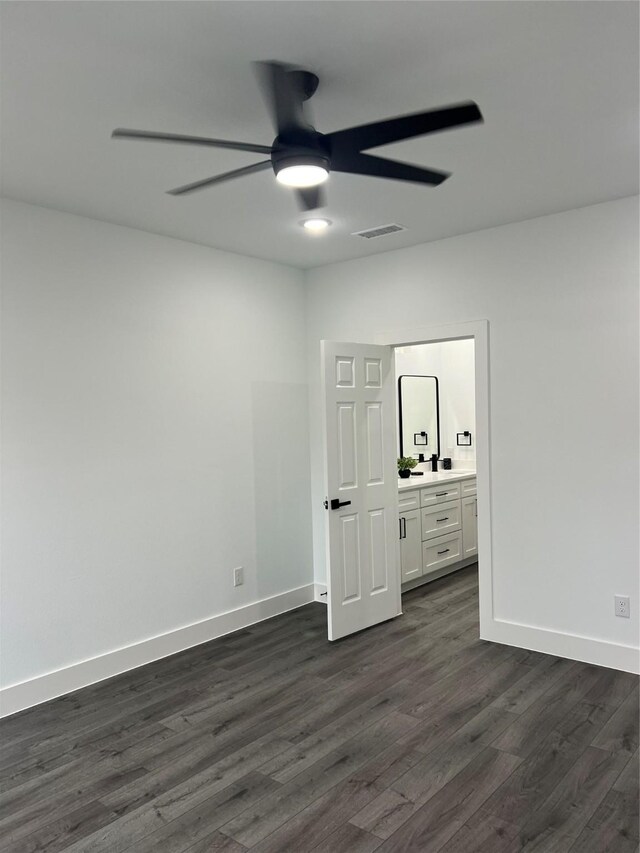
(361, 426)
(477, 332)
(437, 485)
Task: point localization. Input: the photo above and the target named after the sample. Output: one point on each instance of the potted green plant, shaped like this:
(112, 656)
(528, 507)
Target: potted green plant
(405, 464)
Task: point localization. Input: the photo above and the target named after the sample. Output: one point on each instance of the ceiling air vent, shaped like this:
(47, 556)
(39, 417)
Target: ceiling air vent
(380, 231)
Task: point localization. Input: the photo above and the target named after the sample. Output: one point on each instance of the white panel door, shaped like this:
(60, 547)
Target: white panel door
(363, 572)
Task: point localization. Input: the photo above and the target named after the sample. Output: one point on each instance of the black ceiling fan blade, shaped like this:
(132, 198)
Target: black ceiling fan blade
(283, 95)
(219, 179)
(310, 198)
(377, 133)
(356, 163)
(152, 136)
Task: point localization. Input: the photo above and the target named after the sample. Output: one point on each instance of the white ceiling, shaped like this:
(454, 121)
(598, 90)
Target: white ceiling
(557, 83)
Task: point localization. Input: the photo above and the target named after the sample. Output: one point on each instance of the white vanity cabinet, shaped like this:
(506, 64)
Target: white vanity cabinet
(469, 526)
(440, 519)
(439, 493)
(441, 552)
(468, 488)
(438, 528)
(410, 545)
(410, 535)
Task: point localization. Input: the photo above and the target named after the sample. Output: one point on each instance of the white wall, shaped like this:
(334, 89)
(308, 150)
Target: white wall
(156, 431)
(453, 363)
(561, 296)
(155, 427)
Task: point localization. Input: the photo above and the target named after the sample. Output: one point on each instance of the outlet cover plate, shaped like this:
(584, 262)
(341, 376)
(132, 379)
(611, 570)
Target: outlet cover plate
(238, 576)
(622, 606)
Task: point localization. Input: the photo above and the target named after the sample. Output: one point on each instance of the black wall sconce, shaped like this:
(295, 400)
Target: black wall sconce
(420, 438)
(463, 439)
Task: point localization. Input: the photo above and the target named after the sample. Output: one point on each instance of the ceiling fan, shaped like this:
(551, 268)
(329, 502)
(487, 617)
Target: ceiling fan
(301, 157)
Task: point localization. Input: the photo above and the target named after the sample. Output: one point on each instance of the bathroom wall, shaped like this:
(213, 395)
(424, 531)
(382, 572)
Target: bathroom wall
(453, 363)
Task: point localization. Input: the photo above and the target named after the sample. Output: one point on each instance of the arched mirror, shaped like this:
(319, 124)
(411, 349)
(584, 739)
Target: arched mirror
(419, 415)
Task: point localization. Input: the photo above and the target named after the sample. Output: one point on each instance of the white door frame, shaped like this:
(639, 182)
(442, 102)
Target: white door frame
(478, 330)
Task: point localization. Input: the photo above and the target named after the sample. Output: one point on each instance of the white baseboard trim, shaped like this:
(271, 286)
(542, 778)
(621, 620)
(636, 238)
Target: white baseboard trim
(574, 647)
(320, 592)
(17, 697)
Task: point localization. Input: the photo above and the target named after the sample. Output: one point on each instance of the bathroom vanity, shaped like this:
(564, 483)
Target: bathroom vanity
(438, 525)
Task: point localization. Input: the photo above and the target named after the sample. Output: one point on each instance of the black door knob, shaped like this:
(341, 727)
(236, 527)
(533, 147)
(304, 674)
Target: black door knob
(336, 503)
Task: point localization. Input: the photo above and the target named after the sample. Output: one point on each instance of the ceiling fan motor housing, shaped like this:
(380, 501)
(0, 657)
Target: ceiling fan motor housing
(300, 148)
(305, 82)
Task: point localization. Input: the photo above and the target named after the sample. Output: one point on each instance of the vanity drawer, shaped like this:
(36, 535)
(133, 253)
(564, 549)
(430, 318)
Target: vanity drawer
(440, 493)
(441, 518)
(441, 552)
(468, 487)
(408, 500)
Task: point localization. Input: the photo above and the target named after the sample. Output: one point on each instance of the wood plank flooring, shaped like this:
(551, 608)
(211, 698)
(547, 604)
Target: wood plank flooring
(411, 736)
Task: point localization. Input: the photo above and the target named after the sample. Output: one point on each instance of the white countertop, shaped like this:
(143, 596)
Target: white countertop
(433, 477)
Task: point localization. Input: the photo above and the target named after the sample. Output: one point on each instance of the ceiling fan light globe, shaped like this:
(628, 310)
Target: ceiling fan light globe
(302, 175)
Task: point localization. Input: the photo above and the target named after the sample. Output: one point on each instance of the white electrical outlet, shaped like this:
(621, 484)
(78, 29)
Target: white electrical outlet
(238, 576)
(622, 606)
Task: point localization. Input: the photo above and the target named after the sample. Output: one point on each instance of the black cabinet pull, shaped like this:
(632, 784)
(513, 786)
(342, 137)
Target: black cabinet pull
(446, 518)
(441, 494)
(404, 528)
(336, 503)
(443, 552)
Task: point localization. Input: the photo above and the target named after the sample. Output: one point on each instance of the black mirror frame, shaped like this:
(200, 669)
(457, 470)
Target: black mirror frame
(419, 376)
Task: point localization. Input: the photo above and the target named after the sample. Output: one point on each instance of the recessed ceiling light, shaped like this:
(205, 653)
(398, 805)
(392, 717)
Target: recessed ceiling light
(316, 226)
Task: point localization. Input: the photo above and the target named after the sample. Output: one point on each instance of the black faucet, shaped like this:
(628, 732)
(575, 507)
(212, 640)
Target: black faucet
(434, 462)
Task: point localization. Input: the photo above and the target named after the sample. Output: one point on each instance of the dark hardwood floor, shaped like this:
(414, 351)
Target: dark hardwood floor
(411, 736)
